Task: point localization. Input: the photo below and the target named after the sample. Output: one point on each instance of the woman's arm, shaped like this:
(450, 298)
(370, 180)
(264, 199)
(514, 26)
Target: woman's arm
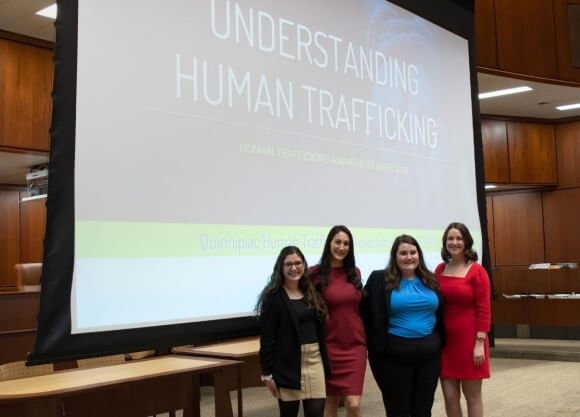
(481, 290)
(269, 318)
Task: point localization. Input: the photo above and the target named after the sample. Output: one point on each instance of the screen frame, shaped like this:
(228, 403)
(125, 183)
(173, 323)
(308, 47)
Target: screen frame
(54, 340)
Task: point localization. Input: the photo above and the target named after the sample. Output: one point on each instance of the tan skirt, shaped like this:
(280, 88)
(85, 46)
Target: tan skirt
(312, 384)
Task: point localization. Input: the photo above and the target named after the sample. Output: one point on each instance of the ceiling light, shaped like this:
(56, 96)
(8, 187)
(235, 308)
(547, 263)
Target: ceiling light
(49, 11)
(569, 107)
(504, 92)
(490, 186)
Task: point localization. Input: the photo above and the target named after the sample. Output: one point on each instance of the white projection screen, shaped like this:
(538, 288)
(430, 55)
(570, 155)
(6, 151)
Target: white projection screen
(203, 136)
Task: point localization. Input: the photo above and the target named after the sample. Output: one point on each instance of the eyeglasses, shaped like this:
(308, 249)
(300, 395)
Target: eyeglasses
(297, 264)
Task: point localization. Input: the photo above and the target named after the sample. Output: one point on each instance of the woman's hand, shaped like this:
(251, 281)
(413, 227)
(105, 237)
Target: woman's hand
(271, 385)
(479, 352)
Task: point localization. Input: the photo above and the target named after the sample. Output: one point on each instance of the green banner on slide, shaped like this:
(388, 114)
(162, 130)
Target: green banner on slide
(104, 239)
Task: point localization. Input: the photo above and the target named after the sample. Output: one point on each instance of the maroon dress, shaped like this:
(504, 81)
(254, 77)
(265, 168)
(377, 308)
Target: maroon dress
(345, 335)
(466, 311)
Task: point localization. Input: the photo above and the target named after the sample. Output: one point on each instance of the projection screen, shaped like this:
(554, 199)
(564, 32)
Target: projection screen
(192, 140)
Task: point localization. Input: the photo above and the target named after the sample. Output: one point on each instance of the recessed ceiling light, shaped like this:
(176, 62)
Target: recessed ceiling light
(504, 92)
(490, 186)
(49, 11)
(569, 106)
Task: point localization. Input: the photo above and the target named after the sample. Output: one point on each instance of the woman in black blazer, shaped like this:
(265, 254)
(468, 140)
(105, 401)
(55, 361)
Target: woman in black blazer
(292, 349)
(403, 317)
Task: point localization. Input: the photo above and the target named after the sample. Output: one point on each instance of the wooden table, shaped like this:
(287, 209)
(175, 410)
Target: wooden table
(132, 389)
(244, 350)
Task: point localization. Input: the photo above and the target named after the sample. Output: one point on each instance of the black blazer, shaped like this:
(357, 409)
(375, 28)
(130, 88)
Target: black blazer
(375, 311)
(280, 352)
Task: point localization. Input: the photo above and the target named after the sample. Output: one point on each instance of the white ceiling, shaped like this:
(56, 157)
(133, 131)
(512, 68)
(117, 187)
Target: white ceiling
(538, 103)
(19, 16)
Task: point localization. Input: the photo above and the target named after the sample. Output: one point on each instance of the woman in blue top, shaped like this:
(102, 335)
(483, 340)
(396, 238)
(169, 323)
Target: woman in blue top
(402, 314)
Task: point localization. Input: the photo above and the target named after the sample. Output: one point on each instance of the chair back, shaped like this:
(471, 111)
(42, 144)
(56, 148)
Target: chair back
(100, 361)
(133, 356)
(28, 276)
(15, 370)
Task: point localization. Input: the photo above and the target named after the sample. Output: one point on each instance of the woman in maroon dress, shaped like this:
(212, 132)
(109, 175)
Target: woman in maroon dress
(466, 295)
(338, 280)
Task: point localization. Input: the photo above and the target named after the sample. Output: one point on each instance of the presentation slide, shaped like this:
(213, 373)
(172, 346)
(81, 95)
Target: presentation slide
(212, 133)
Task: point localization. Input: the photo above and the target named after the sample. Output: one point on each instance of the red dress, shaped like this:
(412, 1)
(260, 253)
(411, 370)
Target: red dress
(466, 311)
(345, 335)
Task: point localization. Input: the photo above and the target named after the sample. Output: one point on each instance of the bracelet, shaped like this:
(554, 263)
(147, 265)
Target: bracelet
(480, 338)
(266, 378)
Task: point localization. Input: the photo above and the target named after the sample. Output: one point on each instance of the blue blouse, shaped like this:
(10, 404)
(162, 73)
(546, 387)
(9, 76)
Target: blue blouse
(413, 308)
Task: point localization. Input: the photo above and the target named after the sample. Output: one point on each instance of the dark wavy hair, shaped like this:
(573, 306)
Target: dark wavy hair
(312, 298)
(393, 273)
(468, 253)
(349, 265)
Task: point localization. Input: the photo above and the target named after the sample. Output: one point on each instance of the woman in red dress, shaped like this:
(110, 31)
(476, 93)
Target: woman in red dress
(466, 294)
(338, 280)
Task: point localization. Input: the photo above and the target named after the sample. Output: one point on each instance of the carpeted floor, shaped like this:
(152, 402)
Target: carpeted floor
(518, 388)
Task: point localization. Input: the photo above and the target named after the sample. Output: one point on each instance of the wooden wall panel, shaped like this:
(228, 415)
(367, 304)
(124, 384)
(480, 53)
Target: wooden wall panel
(18, 310)
(495, 151)
(505, 311)
(18, 313)
(538, 281)
(566, 70)
(537, 312)
(485, 38)
(509, 280)
(564, 281)
(532, 153)
(568, 154)
(9, 236)
(25, 93)
(490, 234)
(519, 235)
(15, 346)
(562, 225)
(526, 41)
(32, 224)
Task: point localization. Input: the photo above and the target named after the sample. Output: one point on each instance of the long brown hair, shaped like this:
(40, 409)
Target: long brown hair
(312, 298)
(323, 270)
(468, 253)
(393, 273)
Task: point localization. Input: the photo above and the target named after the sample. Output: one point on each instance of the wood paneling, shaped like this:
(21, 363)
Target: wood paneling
(532, 153)
(485, 38)
(562, 225)
(521, 280)
(538, 312)
(32, 224)
(15, 345)
(495, 151)
(566, 70)
(519, 236)
(568, 154)
(18, 312)
(505, 311)
(490, 235)
(9, 236)
(564, 281)
(526, 41)
(25, 92)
